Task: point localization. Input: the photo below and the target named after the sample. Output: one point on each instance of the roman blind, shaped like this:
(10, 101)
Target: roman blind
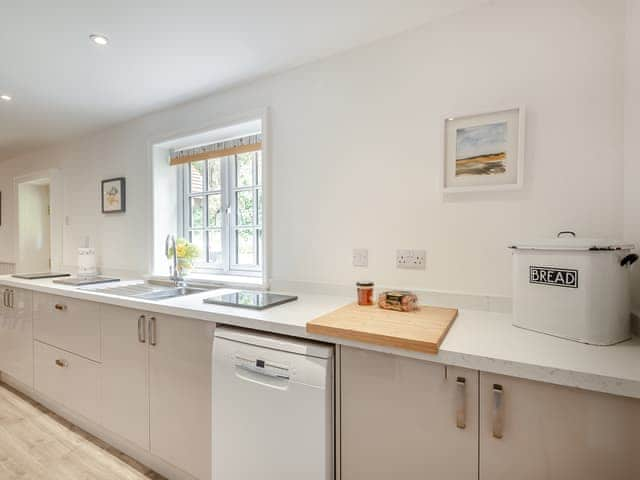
(251, 143)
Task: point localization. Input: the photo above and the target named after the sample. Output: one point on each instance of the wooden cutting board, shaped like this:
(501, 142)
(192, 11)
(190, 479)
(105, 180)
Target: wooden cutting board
(422, 330)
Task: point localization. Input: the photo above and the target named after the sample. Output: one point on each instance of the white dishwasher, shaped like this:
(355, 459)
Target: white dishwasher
(272, 407)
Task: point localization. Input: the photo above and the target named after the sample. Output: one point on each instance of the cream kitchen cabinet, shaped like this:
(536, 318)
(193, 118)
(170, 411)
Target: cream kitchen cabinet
(537, 431)
(69, 379)
(180, 392)
(406, 419)
(16, 334)
(70, 324)
(125, 373)
(156, 385)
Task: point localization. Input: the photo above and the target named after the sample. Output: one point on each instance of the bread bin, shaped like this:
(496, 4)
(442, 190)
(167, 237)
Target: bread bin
(574, 288)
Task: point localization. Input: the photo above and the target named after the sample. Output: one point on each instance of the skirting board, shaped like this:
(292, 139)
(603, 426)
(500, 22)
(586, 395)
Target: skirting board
(146, 458)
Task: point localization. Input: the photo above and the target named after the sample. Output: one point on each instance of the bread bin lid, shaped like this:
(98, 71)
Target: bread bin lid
(567, 241)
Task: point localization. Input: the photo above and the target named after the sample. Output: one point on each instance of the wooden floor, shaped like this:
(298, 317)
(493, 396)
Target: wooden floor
(35, 443)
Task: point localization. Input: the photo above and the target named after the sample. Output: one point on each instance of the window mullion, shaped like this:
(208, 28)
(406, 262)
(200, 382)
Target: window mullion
(205, 212)
(227, 220)
(233, 250)
(186, 210)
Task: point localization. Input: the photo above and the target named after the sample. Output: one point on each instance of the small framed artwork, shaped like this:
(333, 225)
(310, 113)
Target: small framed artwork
(114, 198)
(484, 152)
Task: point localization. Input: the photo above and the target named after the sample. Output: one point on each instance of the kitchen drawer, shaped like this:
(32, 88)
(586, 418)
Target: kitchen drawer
(68, 379)
(67, 323)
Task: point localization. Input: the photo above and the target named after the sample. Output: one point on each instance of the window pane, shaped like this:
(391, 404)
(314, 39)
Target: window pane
(197, 177)
(197, 238)
(215, 210)
(215, 174)
(215, 248)
(259, 202)
(259, 167)
(244, 169)
(197, 212)
(245, 241)
(244, 208)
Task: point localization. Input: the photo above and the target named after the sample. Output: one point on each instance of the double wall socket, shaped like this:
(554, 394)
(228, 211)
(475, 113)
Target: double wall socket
(415, 259)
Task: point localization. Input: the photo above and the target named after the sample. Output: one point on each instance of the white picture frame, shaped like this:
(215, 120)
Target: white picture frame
(485, 151)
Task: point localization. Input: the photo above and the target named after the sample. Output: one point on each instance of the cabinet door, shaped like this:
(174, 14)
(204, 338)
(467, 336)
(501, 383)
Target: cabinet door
(180, 392)
(551, 432)
(399, 419)
(125, 379)
(16, 335)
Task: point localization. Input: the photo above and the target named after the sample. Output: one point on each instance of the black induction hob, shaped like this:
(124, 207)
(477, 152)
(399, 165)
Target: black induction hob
(248, 299)
(83, 281)
(37, 276)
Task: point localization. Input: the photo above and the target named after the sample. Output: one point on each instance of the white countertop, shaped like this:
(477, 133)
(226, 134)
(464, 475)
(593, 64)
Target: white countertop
(479, 340)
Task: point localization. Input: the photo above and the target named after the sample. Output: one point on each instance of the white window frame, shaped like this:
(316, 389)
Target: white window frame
(229, 225)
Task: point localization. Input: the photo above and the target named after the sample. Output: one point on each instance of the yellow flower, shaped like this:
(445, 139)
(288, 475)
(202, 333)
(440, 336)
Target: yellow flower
(182, 251)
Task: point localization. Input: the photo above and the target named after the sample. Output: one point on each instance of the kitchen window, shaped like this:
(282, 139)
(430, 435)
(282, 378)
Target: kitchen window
(221, 207)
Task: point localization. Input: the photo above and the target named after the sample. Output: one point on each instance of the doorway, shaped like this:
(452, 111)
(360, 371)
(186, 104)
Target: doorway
(34, 226)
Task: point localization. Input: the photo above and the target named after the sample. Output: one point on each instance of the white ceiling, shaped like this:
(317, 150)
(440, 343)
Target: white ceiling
(165, 52)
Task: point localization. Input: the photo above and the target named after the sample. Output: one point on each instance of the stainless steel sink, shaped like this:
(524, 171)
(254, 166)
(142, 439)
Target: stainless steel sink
(171, 293)
(147, 291)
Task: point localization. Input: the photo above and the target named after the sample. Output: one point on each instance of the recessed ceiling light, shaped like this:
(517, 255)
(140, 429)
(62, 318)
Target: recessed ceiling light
(6, 98)
(99, 39)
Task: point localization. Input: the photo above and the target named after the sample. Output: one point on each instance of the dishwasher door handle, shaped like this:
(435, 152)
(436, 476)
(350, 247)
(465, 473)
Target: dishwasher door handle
(262, 372)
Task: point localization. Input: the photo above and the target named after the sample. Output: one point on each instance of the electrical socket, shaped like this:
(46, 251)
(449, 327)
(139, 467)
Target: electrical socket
(414, 259)
(360, 257)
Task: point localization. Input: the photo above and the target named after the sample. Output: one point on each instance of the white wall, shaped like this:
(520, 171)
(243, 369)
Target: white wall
(631, 136)
(356, 147)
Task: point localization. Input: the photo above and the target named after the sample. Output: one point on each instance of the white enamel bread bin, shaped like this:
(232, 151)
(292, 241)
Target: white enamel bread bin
(574, 288)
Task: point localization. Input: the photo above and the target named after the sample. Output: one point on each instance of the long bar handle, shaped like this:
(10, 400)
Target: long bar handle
(461, 402)
(11, 299)
(142, 331)
(152, 331)
(498, 411)
(5, 297)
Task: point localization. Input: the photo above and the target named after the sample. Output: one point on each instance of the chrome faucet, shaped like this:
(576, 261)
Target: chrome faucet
(171, 249)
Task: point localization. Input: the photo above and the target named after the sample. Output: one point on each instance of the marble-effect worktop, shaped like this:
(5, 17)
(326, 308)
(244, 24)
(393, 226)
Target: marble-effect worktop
(479, 340)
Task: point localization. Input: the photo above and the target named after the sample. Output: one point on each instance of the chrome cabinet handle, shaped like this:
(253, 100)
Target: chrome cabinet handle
(5, 301)
(142, 332)
(62, 363)
(152, 331)
(60, 307)
(498, 411)
(461, 402)
(11, 299)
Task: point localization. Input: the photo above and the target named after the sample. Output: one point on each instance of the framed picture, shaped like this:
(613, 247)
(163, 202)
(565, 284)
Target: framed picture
(114, 195)
(484, 152)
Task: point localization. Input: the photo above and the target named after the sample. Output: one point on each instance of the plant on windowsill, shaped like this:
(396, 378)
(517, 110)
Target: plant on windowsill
(187, 253)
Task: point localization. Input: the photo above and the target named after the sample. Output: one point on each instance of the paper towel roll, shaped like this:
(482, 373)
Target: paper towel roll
(87, 262)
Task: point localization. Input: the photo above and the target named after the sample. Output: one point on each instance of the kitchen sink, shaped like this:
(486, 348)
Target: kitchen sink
(171, 293)
(147, 290)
